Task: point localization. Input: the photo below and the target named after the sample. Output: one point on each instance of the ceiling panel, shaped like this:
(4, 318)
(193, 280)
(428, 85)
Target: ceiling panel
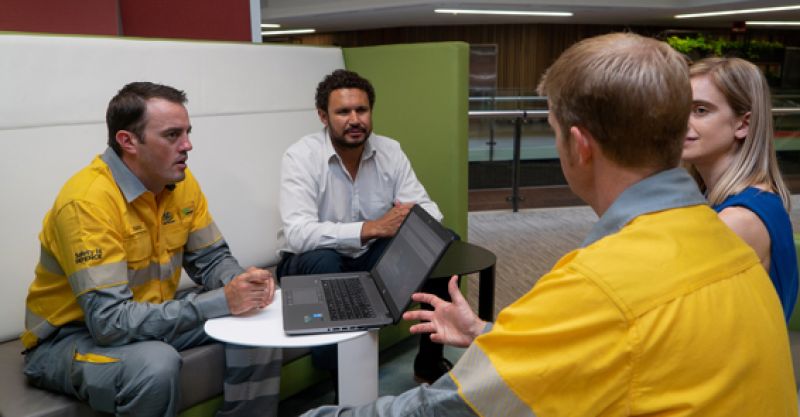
(339, 15)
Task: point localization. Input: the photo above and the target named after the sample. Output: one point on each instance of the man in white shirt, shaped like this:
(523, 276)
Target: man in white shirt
(344, 193)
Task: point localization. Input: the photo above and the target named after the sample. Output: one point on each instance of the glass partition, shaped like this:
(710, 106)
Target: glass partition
(787, 138)
(508, 173)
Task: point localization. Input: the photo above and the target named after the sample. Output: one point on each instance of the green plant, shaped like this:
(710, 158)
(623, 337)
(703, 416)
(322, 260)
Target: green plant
(723, 47)
(689, 45)
(700, 46)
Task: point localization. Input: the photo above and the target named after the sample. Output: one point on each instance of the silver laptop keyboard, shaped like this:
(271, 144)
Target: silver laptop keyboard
(346, 299)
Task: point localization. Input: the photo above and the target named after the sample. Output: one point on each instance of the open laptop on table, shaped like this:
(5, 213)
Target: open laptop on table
(325, 303)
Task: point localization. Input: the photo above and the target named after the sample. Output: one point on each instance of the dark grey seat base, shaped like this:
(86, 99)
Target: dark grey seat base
(201, 380)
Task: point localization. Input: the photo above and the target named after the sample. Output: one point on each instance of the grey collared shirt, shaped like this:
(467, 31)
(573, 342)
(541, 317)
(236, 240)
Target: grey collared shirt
(127, 182)
(107, 311)
(665, 190)
(321, 206)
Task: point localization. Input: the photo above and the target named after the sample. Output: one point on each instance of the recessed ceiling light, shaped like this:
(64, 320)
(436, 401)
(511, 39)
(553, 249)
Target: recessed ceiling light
(772, 23)
(504, 12)
(286, 32)
(729, 12)
(269, 25)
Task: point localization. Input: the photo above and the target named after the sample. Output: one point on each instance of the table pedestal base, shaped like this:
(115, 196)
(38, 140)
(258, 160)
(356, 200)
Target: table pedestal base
(358, 370)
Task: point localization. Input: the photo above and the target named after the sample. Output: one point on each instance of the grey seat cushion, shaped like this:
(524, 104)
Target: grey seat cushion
(201, 379)
(17, 398)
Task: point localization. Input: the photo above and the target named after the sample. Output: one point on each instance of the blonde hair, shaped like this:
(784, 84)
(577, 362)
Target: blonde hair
(630, 92)
(745, 89)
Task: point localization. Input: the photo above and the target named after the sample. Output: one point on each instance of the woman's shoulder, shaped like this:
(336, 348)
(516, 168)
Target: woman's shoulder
(757, 198)
(753, 209)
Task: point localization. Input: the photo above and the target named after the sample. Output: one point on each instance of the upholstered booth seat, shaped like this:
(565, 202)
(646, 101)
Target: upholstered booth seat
(201, 381)
(247, 103)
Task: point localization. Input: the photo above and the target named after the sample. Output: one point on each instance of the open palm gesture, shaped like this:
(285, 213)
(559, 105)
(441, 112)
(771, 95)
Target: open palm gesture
(450, 323)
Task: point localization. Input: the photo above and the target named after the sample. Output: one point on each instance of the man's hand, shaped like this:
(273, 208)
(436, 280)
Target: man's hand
(387, 225)
(251, 290)
(452, 323)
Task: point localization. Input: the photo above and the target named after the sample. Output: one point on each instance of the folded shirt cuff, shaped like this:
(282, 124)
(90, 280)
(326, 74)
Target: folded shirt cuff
(213, 304)
(350, 235)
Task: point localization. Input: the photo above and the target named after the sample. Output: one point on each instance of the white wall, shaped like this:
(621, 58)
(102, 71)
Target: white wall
(247, 104)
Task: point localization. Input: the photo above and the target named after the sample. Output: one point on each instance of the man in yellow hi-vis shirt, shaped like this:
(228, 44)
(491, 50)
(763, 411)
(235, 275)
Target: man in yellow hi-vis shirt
(103, 321)
(663, 311)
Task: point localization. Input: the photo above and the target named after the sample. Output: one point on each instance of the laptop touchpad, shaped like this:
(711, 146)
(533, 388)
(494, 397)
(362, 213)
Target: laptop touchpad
(304, 296)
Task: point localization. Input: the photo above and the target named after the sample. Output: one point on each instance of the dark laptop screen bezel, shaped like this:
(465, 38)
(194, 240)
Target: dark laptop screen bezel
(441, 232)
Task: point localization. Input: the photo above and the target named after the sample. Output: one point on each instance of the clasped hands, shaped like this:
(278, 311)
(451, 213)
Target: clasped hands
(450, 323)
(251, 290)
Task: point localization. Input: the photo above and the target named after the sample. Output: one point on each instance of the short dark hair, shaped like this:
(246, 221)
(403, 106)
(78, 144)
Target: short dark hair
(126, 110)
(342, 79)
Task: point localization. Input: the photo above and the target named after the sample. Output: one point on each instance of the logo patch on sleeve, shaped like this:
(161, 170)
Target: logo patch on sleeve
(88, 255)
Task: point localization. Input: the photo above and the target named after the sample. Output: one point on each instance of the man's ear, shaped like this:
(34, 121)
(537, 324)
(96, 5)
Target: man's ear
(742, 127)
(126, 141)
(323, 116)
(581, 144)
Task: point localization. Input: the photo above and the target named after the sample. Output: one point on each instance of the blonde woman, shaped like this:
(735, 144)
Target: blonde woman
(729, 150)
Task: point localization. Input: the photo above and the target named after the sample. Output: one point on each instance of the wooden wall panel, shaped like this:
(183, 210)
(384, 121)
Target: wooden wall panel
(525, 51)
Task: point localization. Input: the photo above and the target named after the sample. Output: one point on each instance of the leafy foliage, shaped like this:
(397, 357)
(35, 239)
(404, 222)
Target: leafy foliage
(700, 46)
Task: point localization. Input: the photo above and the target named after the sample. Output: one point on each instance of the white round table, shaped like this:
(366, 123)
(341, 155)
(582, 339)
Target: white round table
(358, 351)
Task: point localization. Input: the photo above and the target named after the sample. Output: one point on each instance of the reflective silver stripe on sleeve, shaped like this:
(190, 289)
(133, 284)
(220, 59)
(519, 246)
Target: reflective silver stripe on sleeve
(204, 237)
(154, 270)
(238, 356)
(247, 391)
(49, 262)
(483, 388)
(38, 325)
(98, 276)
(251, 373)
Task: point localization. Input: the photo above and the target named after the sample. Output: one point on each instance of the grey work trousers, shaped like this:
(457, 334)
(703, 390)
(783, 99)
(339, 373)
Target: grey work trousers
(141, 379)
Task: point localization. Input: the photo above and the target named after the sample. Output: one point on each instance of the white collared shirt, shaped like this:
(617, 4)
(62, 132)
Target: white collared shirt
(322, 207)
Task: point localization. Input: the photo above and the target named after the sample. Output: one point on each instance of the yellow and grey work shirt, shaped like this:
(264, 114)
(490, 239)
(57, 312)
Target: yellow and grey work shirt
(111, 257)
(664, 312)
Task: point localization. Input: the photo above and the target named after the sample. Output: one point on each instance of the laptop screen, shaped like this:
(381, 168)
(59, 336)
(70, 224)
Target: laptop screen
(411, 256)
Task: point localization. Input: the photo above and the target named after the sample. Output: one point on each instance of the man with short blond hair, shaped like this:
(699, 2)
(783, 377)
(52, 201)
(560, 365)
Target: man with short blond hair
(648, 316)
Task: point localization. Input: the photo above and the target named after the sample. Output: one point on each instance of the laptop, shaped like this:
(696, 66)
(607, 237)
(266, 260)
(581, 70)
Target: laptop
(310, 303)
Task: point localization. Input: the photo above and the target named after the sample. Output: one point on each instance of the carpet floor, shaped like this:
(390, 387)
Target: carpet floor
(529, 242)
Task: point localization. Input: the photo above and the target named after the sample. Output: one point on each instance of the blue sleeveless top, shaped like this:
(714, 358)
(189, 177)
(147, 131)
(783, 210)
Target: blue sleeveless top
(783, 258)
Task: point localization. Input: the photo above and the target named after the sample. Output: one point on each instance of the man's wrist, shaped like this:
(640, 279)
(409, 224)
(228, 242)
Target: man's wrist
(366, 231)
(478, 328)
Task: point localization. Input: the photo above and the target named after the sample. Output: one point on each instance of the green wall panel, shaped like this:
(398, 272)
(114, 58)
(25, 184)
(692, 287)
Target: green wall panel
(422, 101)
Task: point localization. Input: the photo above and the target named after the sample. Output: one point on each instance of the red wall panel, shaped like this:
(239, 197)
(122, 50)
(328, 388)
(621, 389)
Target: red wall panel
(190, 19)
(86, 17)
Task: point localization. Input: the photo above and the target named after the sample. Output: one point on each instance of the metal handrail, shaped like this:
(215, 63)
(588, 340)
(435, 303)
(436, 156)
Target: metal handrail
(508, 114)
(542, 114)
(785, 111)
(507, 98)
(519, 115)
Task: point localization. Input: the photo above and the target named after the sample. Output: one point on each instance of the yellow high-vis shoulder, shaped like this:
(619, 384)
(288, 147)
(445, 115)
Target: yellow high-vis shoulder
(671, 316)
(94, 238)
